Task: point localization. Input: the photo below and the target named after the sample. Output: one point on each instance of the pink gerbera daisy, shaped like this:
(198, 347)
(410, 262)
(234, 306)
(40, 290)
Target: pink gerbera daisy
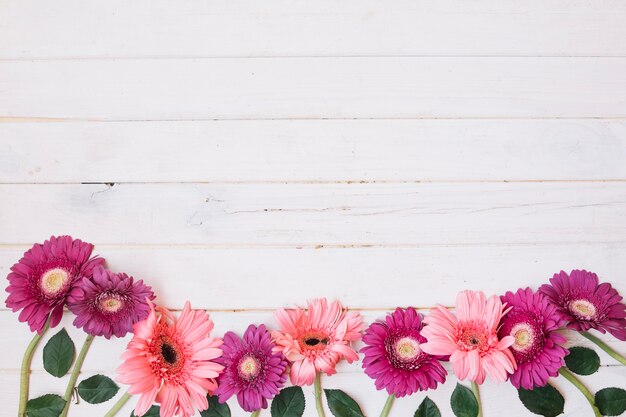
(470, 338)
(40, 282)
(532, 322)
(394, 358)
(252, 371)
(171, 361)
(585, 304)
(108, 303)
(317, 339)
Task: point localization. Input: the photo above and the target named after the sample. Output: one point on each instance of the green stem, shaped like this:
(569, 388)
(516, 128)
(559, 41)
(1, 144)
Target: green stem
(74, 376)
(477, 395)
(25, 370)
(387, 406)
(588, 395)
(255, 413)
(605, 347)
(118, 405)
(318, 395)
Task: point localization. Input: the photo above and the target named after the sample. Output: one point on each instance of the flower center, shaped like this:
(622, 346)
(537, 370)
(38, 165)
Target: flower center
(524, 336)
(168, 353)
(54, 280)
(249, 367)
(111, 304)
(313, 341)
(583, 309)
(472, 336)
(407, 349)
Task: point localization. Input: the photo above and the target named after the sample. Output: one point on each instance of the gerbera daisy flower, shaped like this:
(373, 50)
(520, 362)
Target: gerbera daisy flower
(172, 362)
(394, 358)
(40, 282)
(470, 338)
(315, 340)
(532, 322)
(251, 370)
(108, 303)
(585, 304)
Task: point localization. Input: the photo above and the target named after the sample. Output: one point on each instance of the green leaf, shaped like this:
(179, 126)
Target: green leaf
(463, 402)
(97, 389)
(58, 354)
(49, 405)
(611, 401)
(545, 401)
(582, 360)
(427, 409)
(288, 403)
(154, 411)
(341, 405)
(215, 408)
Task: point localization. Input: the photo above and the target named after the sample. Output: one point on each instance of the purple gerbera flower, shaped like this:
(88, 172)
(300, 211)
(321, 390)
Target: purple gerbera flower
(532, 322)
(393, 357)
(585, 304)
(40, 282)
(252, 370)
(109, 304)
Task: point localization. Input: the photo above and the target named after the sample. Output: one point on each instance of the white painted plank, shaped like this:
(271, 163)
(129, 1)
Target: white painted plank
(185, 89)
(321, 28)
(296, 215)
(104, 356)
(305, 150)
(498, 400)
(224, 279)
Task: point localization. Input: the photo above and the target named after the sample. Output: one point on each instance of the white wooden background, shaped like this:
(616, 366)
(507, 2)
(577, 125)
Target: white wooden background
(381, 153)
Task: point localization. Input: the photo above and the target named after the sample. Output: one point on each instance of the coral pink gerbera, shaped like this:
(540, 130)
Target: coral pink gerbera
(470, 338)
(586, 304)
(315, 340)
(394, 358)
(537, 349)
(252, 371)
(40, 282)
(171, 362)
(109, 304)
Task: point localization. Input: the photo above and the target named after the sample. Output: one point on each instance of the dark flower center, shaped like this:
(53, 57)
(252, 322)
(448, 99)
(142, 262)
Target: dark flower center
(313, 341)
(169, 353)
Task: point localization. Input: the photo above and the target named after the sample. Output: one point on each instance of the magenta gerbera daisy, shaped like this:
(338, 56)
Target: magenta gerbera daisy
(585, 304)
(108, 304)
(532, 321)
(252, 371)
(40, 282)
(393, 357)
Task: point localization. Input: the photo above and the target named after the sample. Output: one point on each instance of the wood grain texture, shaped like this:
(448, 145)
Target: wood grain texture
(232, 278)
(313, 88)
(296, 215)
(166, 28)
(313, 151)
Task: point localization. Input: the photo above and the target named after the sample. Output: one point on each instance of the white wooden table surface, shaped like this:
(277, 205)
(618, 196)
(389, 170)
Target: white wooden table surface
(380, 153)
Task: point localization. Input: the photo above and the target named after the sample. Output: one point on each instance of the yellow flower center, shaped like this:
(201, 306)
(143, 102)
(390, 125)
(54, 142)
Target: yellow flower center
(54, 280)
(407, 348)
(111, 304)
(524, 336)
(583, 309)
(249, 367)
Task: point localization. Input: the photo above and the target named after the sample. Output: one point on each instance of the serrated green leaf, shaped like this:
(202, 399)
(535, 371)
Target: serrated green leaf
(427, 409)
(58, 354)
(463, 402)
(49, 405)
(154, 411)
(341, 404)
(611, 401)
(288, 403)
(545, 401)
(97, 389)
(215, 408)
(582, 360)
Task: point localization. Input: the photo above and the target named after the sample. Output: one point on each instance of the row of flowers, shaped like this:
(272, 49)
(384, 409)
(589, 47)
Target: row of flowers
(176, 367)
